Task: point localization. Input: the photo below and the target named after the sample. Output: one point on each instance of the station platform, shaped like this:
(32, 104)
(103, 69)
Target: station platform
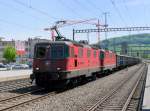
(14, 74)
(146, 101)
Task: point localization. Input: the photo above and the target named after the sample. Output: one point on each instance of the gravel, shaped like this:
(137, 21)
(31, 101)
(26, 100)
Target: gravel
(15, 84)
(118, 99)
(77, 98)
(16, 92)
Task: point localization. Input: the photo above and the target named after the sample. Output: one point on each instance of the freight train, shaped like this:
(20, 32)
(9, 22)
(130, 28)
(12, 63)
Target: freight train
(69, 61)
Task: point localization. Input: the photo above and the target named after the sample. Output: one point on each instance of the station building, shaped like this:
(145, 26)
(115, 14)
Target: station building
(25, 49)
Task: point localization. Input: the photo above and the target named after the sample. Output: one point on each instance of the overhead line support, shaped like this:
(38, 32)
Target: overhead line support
(111, 29)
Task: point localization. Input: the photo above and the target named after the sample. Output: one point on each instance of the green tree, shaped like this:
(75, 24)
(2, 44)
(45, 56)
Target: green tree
(9, 53)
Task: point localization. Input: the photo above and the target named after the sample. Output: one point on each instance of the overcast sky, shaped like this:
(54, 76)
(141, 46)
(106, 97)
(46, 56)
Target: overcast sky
(20, 19)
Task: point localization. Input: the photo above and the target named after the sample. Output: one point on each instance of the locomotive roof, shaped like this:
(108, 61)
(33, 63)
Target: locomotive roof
(68, 43)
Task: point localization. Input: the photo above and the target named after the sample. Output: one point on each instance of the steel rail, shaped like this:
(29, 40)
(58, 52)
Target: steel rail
(22, 95)
(32, 100)
(108, 95)
(132, 92)
(15, 97)
(41, 97)
(14, 87)
(7, 86)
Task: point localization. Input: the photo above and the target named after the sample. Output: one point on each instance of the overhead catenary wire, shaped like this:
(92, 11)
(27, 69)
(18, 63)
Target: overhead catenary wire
(16, 24)
(17, 9)
(70, 8)
(92, 3)
(118, 12)
(94, 6)
(129, 14)
(98, 12)
(83, 6)
(35, 9)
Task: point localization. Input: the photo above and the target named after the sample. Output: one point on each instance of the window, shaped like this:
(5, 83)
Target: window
(57, 51)
(66, 51)
(80, 52)
(102, 55)
(54, 51)
(88, 53)
(40, 52)
(94, 53)
(110, 55)
(72, 52)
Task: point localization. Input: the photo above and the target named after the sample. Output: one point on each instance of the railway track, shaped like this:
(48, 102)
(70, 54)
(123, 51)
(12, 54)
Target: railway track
(23, 99)
(15, 84)
(136, 100)
(121, 96)
(18, 101)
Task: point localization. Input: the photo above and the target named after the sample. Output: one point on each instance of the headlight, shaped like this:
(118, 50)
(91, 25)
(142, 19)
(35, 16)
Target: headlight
(37, 68)
(58, 69)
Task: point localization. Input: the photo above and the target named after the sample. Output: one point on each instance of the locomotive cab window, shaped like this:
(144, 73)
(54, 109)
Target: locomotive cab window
(40, 51)
(59, 51)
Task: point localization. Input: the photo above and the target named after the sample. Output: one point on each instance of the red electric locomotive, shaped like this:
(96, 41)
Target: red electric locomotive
(63, 61)
(108, 60)
(66, 62)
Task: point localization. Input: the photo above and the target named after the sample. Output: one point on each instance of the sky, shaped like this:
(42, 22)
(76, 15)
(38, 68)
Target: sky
(21, 19)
